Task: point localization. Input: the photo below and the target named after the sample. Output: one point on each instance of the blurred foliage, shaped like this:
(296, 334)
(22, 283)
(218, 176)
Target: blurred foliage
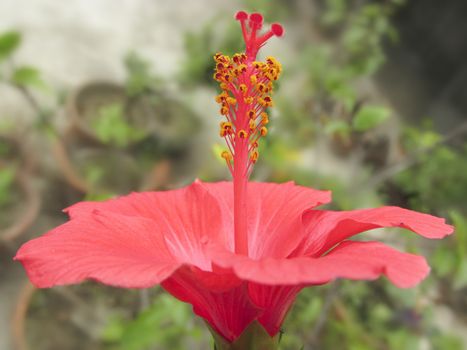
(369, 117)
(362, 30)
(27, 76)
(438, 182)
(140, 78)
(7, 177)
(273, 10)
(352, 36)
(23, 76)
(111, 127)
(450, 257)
(166, 324)
(9, 42)
(200, 47)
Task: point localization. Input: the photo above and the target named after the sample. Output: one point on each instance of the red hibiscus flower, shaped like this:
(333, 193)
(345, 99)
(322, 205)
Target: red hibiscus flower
(239, 251)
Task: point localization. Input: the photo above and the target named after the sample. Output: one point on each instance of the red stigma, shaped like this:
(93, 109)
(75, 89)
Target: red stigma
(254, 40)
(256, 18)
(241, 16)
(277, 29)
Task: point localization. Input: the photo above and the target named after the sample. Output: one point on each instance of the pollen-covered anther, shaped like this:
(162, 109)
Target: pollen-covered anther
(252, 125)
(261, 87)
(227, 155)
(254, 156)
(249, 100)
(258, 65)
(267, 100)
(219, 57)
(227, 126)
(222, 97)
(231, 101)
(263, 131)
(220, 66)
(242, 134)
(252, 114)
(253, 79)
(243, 88)
(264, 118)
(239, 58)
(218, 76)
(242, 68)
(224, 110)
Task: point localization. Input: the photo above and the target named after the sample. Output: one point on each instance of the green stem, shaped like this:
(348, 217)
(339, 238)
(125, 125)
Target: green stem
(254, 337)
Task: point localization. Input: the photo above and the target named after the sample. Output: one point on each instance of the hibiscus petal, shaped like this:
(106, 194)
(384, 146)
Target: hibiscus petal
(228, 312)
(188, 218)
(352, 260)
(275, 301)
(274, 214)
(369, 260)
(327, 228)
(113, 249)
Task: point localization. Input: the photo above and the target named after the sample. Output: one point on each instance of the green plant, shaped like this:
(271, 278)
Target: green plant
(140, 78)
(111, 127)
(437, 182)
(166, 324)
(201, 46)
(352, 48)
(9, 42)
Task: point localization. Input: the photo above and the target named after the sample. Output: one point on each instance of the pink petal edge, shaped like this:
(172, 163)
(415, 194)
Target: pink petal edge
(328, 228)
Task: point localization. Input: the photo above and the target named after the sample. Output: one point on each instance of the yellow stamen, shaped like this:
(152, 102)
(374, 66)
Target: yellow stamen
(226, 155)
(242, 134)
(249, 100)
(254, 156)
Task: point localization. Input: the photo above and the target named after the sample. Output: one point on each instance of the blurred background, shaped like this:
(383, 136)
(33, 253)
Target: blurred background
(99, 98)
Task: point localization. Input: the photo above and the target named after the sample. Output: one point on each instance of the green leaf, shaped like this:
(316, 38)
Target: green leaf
(9, 42)
(369, 117)
(337, 127)
(112, 127)
(27, 76)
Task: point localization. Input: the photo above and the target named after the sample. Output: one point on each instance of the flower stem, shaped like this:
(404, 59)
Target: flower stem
(240, 184)
(254, 337)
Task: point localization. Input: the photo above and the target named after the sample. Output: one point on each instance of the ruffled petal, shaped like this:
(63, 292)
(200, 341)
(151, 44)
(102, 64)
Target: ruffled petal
(327, 228)
(110, 248)
(369, 260)
(274, 214)
(188, 218)
(228, 312)
(352, 260)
